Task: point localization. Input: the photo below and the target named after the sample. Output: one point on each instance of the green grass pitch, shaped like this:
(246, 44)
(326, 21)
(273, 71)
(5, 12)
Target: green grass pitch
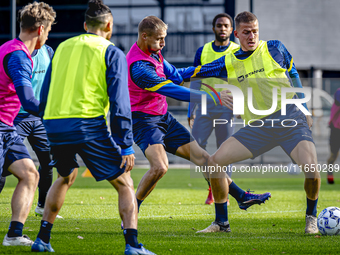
(172, 214)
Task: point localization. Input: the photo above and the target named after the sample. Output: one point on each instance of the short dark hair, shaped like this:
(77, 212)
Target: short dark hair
(36, 14)
(222, 15)
(96, 14)
(244, 17)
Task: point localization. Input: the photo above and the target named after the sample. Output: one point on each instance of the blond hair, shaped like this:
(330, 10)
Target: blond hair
(151, 24)
(36, 14)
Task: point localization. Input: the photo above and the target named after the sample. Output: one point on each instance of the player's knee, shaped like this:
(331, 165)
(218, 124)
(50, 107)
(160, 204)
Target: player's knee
(32, 176)
(159, 171)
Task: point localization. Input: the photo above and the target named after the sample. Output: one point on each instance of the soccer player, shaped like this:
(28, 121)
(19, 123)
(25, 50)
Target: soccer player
(203, 124)
(334, 140)
(87, 76)
(151, 79)
(15, 89)
(262, 66)
(31, 127)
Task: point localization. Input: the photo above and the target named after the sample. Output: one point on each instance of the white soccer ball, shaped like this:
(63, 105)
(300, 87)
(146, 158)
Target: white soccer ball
(329, 221)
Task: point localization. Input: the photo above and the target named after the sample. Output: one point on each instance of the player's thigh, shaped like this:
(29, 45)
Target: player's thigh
(304, 153)
(17, 155)
(24, 168)
(123, 181)
(193, 152)
(102, 157)
(156, 156)
(231, 151)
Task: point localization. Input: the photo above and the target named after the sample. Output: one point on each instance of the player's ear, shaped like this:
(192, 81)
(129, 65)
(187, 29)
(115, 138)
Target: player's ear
(108, 26)
(235, 33)
(85, 26)
(40, 29)
(213, 29)
(144, 36)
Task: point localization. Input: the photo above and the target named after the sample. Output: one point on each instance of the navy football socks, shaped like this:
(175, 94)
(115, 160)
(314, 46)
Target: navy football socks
(236, 192)
(311, 207)
(130, 236)
(15, 229)
(221, 211)
(45, 231)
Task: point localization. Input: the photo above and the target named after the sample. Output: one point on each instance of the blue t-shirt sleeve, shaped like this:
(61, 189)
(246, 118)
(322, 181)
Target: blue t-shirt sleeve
(171, 73)
(118, 92)
(185, 94)
(19, 68)
(143, 74)
(213, 69)
(27, 99)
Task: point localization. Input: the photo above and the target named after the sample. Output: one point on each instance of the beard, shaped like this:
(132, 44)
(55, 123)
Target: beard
(220, 39)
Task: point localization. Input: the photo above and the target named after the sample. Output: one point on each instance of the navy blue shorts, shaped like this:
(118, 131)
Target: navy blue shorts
(101, 157)
(159, 129)
(35, 132)
(334, 139)
(259, 140)
(204, 125)
(11, 150)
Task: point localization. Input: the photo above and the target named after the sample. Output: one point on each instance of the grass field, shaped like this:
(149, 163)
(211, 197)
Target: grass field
(172, 214)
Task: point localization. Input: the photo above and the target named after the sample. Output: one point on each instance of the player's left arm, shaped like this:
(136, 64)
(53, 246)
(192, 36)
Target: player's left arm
(213, 69)
(120, 108)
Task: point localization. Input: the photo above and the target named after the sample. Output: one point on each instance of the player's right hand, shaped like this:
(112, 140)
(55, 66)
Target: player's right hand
(227, 99)
(128, 161)
(191, 121)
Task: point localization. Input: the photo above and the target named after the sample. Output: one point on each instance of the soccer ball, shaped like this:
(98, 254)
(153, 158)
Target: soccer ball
(329, 221)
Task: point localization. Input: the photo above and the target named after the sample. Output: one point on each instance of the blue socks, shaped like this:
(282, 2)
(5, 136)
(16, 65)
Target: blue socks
(45, 231)
(236, 192)
(130, 236)
(221, 211)
(311, 207)
(139, 202)
(15, 229)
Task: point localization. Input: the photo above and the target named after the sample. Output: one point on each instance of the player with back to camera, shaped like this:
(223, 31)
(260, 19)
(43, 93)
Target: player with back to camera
(151, 79)
(16, 67)
(261, 65)
(87, 76)
(202, 125)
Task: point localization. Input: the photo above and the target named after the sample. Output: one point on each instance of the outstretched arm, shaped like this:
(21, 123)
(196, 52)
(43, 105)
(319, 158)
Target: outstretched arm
(144, 75)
